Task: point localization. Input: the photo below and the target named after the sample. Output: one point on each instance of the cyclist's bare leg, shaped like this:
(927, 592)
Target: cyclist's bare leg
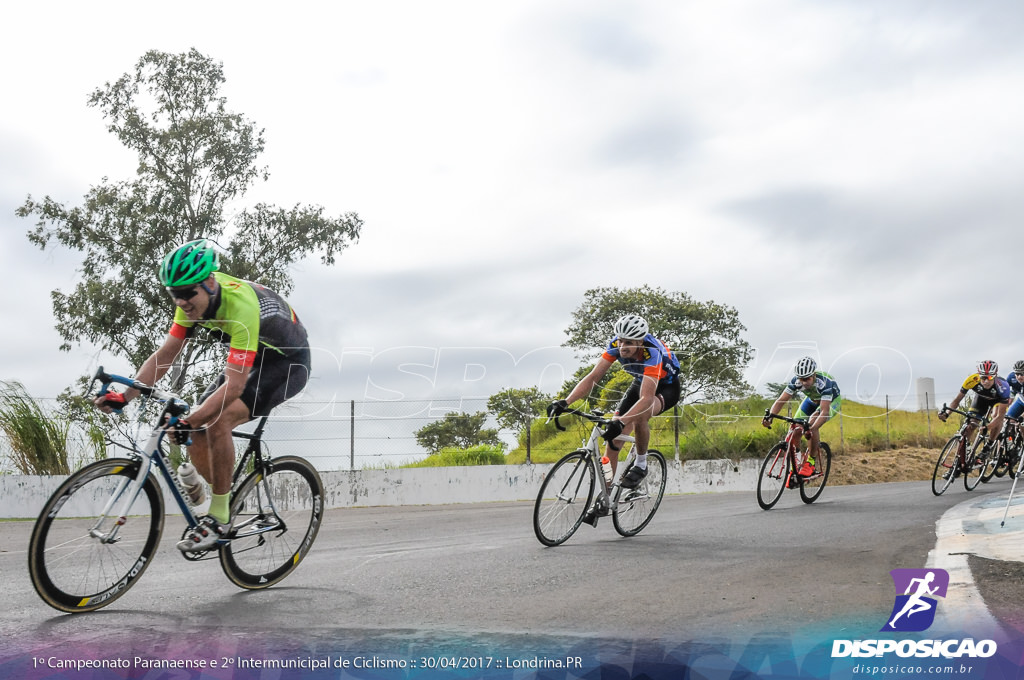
(213, 449)
(613, 454)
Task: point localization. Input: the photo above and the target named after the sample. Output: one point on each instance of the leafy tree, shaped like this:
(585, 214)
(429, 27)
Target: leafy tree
(705, 336)
(774, 389)
(457, 430)
(515, 408)
(195, 159)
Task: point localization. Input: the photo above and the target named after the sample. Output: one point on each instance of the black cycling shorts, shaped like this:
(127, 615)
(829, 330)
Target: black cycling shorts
(982, 405)
(668, 391)
(274, 378)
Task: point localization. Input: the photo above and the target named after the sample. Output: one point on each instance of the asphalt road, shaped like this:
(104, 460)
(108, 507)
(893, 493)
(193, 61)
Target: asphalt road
(708, 565)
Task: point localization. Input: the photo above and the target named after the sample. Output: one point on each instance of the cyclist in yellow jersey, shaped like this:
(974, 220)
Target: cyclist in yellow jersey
(267, 362)
(991, 394)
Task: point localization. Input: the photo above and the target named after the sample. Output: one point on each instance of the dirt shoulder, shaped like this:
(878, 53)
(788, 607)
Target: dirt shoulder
(914, 464)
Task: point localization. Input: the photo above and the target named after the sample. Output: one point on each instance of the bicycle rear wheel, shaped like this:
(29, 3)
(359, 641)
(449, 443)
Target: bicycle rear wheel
(977, 461)
(812, 487)
(636, 507)
(771, 480)
(78, 562)
(275, 519)
(564, 497)
(992, 462)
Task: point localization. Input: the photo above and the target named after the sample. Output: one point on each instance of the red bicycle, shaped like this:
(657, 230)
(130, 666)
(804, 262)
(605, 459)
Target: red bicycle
(779, 471)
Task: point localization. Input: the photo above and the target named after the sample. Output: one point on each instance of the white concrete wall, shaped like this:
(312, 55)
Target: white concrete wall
(23, 496)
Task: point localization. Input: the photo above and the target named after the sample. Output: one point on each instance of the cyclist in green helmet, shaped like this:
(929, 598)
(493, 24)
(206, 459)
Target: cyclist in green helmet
(267, 362)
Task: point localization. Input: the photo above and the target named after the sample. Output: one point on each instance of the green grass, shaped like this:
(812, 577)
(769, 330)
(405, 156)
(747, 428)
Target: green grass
(733, 430)
(483, 454)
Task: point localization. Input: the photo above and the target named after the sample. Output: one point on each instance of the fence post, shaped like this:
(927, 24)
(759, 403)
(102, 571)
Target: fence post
(529, 426)
(675, 427)
(928, 414)
(888, 444)
(352, 435)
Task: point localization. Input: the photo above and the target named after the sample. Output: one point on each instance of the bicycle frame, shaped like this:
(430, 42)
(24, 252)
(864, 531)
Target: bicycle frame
(152, 456)
(603, 499)
(797, 428)
(983, 422)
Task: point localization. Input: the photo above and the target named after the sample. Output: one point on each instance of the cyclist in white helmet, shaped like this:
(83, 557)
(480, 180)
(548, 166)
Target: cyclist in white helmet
(821, 401)
(655, 389)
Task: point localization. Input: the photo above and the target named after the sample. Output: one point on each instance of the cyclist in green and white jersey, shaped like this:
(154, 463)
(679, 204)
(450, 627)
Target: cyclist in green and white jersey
(821, 401)
(268, 361)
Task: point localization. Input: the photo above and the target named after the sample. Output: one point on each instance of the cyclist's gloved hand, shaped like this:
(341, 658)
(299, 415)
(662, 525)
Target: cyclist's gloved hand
(180, 431)
(556, 407)
(614, 430)
(766, 422)
(943, 415)
(111, 400)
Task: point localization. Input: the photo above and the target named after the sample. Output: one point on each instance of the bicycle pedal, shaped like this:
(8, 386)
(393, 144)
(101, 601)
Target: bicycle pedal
(590, 518)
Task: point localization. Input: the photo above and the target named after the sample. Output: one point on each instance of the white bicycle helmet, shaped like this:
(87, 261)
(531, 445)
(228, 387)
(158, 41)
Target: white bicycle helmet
(1018, 367)
(988, 368)
(631, 327)
(805, 367)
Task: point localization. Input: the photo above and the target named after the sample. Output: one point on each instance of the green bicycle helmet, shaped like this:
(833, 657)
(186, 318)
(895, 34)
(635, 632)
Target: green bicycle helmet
(189, 264)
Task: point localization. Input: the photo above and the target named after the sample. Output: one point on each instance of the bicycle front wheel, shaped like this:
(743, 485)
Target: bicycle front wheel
(636, 507)
(812, 487)
(771, 481)
(947, 466)
(564, 497)
(81, 558)
(275, 519)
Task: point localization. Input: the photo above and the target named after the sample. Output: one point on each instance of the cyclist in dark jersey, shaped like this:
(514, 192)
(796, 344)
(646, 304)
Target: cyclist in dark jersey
(990, 392)
(267, 362)
(1016, 382)
(655, 389)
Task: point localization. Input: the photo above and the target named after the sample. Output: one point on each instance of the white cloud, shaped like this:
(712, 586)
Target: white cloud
(845, 172)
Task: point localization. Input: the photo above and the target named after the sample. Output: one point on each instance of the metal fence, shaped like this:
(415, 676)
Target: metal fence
(357, 434)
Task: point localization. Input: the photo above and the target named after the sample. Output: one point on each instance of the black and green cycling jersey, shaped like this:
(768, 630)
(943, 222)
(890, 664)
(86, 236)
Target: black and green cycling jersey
(250, 318)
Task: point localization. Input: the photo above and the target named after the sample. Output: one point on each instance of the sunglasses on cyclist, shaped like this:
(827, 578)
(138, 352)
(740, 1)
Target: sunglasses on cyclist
(184, 293)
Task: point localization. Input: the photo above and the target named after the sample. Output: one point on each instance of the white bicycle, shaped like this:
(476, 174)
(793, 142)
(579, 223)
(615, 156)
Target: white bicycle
(574, 491)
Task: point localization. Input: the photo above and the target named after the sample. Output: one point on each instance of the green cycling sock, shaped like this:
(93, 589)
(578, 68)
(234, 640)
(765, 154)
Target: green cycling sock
(220, 510)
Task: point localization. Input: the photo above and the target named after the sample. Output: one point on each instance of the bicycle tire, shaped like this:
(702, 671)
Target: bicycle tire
(991, 462)
(558, 512)
(947, 466)
(636, 507)
(772, 477)
(275, 520)
(977, 461)
(73, 571)
(1003, 464)
(810, 489)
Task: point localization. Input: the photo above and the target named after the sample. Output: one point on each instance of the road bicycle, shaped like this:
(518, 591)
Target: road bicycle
(100, 529)
(1007, 450)
(958, 459)
(779, 471)
(574, 490)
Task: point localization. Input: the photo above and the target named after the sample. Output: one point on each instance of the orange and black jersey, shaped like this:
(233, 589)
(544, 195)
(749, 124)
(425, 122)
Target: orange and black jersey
(656, 360)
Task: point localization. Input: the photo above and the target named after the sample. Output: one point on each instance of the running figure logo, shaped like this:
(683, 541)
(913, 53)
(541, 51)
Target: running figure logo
(914, 610)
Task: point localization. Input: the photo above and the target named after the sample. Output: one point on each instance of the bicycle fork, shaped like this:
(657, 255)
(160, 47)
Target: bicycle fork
(133, 488)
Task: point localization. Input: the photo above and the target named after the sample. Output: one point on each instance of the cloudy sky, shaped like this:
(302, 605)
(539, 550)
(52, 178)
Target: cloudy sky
(847, 175)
